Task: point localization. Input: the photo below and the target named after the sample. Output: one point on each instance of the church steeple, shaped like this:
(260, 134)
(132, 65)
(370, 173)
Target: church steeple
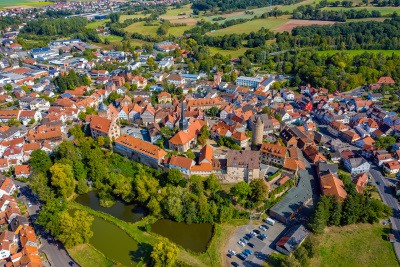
(183, 123)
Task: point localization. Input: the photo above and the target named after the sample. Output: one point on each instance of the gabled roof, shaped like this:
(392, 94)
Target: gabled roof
(206, 154)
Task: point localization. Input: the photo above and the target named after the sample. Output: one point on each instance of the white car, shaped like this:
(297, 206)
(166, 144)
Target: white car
(241, 243)
(262, 228)
(29, 204)
(232, 252)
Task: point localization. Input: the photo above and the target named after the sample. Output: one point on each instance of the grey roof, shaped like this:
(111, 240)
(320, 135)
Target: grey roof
(295, 197)
(17, 221)
(10, 132)
(102, 107)
(355, 162)
(325, 168)
(293, 238)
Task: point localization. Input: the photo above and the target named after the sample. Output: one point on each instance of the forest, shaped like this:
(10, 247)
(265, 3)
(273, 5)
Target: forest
(313, 13)
(61, 27)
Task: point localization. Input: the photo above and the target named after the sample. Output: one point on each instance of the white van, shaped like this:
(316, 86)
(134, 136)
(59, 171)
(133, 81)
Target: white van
(270, 221)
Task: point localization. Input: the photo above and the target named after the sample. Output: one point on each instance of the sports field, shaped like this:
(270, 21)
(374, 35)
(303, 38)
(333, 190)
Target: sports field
(252, 26)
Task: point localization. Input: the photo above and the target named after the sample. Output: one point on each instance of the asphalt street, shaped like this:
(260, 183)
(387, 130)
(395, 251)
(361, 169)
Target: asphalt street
(55, 251)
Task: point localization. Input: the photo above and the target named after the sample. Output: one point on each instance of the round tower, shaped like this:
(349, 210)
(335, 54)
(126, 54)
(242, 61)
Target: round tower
(258, 132)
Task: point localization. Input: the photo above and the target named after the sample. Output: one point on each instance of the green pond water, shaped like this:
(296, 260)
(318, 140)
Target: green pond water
(194, 237)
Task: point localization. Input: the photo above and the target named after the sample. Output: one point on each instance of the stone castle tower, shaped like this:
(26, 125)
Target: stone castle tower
(258, 132)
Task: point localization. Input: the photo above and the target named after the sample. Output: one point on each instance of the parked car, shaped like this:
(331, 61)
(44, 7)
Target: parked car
(232, 252)
(29, 204)
(247, 238)
(253, 233)
(71, 263)
(260, 237)
(245, 253)
(235, 264)
(241, 243)
(251, 245)
(263, 235)
(265, 226)
(378, 183)
(249, 235)
(256, 231)
(242, 256)
(249, 251)
(243, 240)
(229, 255)
(262, 228)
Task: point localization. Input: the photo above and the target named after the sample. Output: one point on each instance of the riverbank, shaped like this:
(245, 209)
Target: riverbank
(212, 257)
(88, 256)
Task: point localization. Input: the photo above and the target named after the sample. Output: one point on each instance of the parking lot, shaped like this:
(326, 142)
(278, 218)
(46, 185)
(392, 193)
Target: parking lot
(262, 249)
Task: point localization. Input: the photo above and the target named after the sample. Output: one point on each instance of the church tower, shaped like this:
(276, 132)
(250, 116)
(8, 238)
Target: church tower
(183, 123)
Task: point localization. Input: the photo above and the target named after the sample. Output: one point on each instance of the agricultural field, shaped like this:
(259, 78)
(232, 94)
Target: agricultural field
(96, 24)
(254, 25)
(384, 10)
(288, 26)
(355, 245)
(367, 19)
(359, 52)
(22, 3)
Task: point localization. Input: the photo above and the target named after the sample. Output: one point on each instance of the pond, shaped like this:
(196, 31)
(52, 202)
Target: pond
(194, 237)
(114, 243)
(120, 210)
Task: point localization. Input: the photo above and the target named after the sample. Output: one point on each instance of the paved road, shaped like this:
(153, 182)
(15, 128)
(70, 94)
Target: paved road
(388, 197)
(54, 249)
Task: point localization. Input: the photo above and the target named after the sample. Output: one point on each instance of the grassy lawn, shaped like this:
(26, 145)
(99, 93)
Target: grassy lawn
(358, 52)
(96, 24)
(355, 245)
(140, 28)
(254, 25)
(111, 38)
(124, 17)
(87, 256)
(186, 9)
(232, 53)
(384, 10)
(177, 31)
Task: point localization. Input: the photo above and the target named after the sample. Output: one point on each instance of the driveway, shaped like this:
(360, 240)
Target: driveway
(55, 251)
